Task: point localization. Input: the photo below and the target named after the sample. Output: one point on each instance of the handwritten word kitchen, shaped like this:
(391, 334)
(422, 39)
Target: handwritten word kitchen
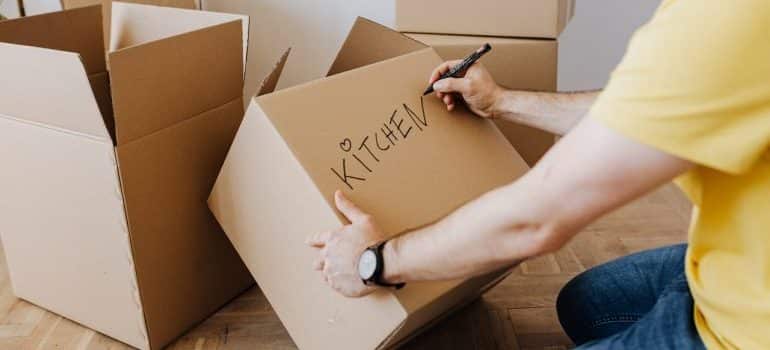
(360, 155)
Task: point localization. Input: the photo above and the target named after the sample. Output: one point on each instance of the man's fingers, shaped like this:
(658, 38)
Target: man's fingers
(441, 69)
(348, 208)
(318, 240)
(452, 85)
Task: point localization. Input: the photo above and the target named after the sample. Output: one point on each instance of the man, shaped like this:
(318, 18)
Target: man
(691, 101)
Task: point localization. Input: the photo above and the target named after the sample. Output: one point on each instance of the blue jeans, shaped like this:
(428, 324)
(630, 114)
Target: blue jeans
(641, 301)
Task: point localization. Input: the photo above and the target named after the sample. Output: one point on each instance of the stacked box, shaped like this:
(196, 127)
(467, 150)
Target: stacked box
(524, 38)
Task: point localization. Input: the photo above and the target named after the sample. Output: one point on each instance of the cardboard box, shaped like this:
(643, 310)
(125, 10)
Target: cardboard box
(367, 131)
(520, 64)
(508, 18)
(104, 217)
(9, 9)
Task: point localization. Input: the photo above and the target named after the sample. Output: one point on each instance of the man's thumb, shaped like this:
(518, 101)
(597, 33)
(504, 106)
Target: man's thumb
(450, 85)
(348, 208)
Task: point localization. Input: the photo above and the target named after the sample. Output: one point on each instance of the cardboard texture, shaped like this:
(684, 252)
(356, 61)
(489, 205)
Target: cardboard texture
(104, 217)
(367, 131)
(520, 64)
(508, 18)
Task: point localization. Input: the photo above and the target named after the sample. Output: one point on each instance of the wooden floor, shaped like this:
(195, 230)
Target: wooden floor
(517, 314)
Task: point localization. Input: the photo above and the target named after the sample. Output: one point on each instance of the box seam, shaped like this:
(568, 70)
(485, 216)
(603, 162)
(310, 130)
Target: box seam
(55, 128)
(184, 121)
(129, 253)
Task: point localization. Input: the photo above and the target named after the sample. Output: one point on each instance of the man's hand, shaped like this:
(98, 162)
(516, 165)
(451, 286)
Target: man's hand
(340, 250)
(476, 87)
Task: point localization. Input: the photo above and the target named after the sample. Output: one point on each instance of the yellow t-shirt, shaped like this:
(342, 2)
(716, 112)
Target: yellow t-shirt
(695, 83)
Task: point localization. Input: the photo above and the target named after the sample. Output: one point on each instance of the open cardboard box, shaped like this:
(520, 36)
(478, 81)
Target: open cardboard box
(507, 18)
(367, 130)
(104, 217)
(520, 64)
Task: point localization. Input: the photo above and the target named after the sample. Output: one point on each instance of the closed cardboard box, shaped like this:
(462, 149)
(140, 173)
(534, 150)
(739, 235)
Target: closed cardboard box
(366, 130)
(106, 174)
(509, 18)
(520, 64)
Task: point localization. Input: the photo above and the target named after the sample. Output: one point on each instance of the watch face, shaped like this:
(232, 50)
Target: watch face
(367, 264)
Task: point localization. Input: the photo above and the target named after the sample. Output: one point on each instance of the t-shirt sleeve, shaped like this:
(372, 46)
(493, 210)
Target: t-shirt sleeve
(695, 83)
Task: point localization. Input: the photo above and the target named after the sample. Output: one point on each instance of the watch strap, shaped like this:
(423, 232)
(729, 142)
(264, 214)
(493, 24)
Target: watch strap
(379, 271)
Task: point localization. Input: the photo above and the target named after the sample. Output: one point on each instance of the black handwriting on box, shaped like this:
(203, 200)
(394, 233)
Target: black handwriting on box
(360, 156)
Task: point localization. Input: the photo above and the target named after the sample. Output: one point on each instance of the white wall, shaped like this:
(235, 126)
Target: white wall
(38, 7)
(9, 8)
(591, 46)
(594, 42)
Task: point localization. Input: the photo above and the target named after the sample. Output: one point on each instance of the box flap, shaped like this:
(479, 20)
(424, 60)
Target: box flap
(271, 80)
(135, 24)
(49, 88)
(169, 79)
(74, 31)
(107, 8)
(369, 42)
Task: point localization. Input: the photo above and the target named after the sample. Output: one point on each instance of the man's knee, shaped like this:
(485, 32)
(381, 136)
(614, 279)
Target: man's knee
(572, 304)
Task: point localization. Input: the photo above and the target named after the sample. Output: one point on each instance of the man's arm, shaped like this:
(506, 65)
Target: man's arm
(592, 171)
(550, 111)
(555, 112)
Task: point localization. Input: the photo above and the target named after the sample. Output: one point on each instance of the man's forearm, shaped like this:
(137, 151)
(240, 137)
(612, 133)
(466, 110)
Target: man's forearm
(555, 112)
(536, 214)
(468, 242)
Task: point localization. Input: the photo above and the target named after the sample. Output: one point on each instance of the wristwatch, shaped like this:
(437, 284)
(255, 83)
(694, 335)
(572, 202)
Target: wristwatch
(371, 265)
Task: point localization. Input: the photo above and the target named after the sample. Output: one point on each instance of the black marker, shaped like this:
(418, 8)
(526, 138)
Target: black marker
(462, 66)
